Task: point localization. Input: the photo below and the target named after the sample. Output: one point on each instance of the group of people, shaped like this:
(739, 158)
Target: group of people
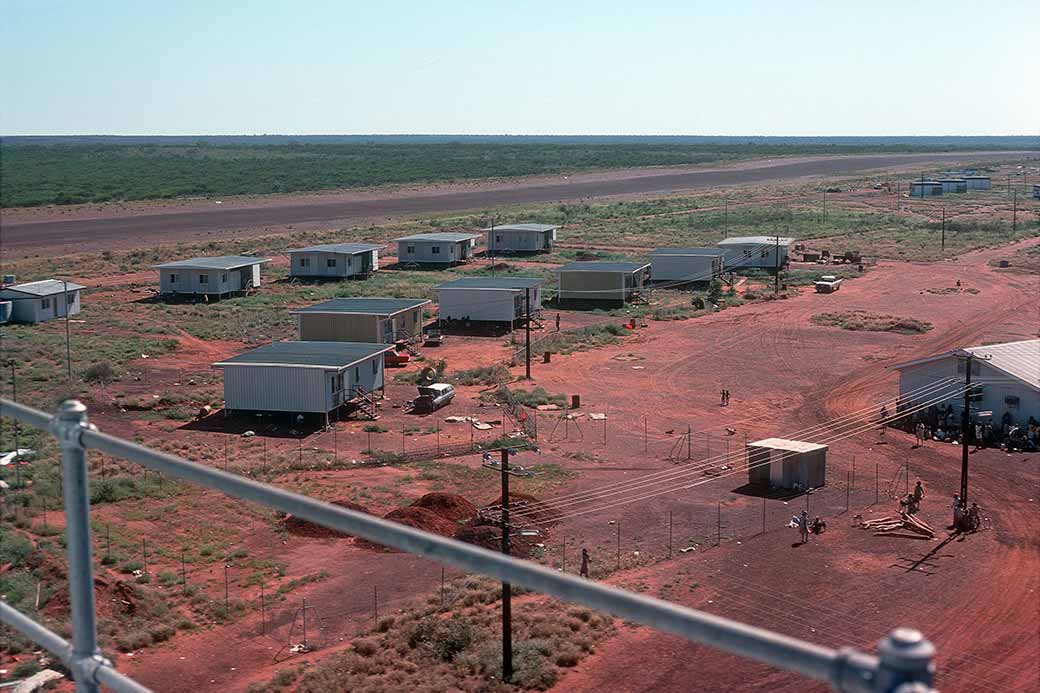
(965, 519)
(806, 526)
(725, 398)
(941, 424)
(911, 504)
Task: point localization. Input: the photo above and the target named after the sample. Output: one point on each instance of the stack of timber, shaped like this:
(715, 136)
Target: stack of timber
(904, 525)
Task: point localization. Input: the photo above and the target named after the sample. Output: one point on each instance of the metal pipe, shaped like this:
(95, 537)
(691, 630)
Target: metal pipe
(845, 669)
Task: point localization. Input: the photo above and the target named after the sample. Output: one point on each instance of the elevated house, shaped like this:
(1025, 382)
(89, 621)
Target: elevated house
(756, 252)
(596, 282)
(520, 238)
(495, 301)
(371, 320)
(687, 265)
(442, 248)
(42, 300)
(304, 378)
(210, 277)
(338, 260)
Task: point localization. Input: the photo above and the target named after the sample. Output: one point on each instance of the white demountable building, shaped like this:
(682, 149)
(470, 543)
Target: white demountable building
(978, 182)
(521, 238)
(303, 377)
(787, 464)
(334, 260)
(436, 248)
(215, 277)
(1006, 380)
(488, 299)
(601, 281)
(687, 264)
(43, 300)
(374, 320)
(756, 252)
(926, 188)
(954, 185)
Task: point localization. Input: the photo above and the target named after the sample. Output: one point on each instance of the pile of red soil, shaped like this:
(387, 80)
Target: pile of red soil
(539, 512)
(305, 528)
(447, 505)
(490, 537)
(418, 518)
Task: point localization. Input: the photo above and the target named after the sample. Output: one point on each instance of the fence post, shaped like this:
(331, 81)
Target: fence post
(619, 545)
(669, 534)
(305, 623)
(184, 574)
(848, 489)
(227, 600)
(763, 516)
(375, 605)
(718, 526)
(144, 554)
(646, 435)
(563, 555)
(442, 584)
(263, 614)
(877, 483)
(67, 427)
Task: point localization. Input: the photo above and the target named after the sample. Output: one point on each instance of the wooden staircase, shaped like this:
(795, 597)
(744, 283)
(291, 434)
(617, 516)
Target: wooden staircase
(365, 404)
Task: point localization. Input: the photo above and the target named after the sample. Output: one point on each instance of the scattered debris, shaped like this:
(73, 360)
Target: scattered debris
(548, 407)
(905, 525)
(37, 681)
(249, 434)
(21, 453)
(598, 417)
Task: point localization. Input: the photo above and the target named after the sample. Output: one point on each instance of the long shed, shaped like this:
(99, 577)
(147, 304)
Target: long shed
(787, 464)
(42, 300)
(954, 185)
(334, 260)
(488, 299)
(444, 248)
(756, 252)
(925, 188)
(216, 277)
(688, 265)
(302, 377)
(601, 281)
(978, 182)
(521, 238)
(372, 320)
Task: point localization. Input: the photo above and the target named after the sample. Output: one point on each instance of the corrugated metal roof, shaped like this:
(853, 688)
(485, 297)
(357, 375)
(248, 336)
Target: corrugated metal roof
(442, 236)
(493, 283)
(688, 251)
(755, 240)
(603, 267)
(44, 287)
(977, 177)
(219, 262)
(332, 355)
(345, 248)
(364, 306)
(925, 182)
(1020, 360)
(538, 228)
(787, 445)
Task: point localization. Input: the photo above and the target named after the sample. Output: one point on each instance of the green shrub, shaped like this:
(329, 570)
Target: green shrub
(25, 669)
(101, 372)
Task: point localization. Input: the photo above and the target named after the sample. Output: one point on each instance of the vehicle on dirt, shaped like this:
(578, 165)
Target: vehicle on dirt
(433, 397)
(396, 359)
(827, 284)
(434, 338)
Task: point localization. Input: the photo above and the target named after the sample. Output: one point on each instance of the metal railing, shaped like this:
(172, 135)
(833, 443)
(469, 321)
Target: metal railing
(903, 663)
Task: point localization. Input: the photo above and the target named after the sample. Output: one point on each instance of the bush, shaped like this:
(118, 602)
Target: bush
(375, 428)
(365, 647)
(486, 375)
(101, 372)
(133, 639)
(24, 670)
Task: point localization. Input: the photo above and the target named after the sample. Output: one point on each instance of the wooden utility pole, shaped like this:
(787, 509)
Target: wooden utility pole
(776, 266)
(944, 229)
(68, 340)
(527, 331)
(507, 596)
(965, 425)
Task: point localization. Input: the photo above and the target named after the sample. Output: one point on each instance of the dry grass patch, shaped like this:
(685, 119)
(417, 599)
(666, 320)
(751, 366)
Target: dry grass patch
(865, 321)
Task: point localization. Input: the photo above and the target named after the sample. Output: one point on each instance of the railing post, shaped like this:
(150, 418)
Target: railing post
(905, 662)
(68, 428)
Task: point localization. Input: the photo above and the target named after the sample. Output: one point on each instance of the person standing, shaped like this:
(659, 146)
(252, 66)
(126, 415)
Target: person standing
(803, 526)
(557, 322)
(918, 492)
(585, 560)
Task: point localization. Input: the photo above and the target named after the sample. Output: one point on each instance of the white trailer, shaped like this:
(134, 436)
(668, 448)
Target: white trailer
(334, 260)
(686, 264)
(488, 299)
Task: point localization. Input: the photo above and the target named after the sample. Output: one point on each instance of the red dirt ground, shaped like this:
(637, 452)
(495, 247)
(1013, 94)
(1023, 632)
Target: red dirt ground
(785, 374)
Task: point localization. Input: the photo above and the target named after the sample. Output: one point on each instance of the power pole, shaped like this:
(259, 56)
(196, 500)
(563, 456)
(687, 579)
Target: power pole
(68, 341)
(776, 267)
(491, 245)
(825, 204)
(944, 229)
(527, 330)
(965, 424)
(725, 213)
(1014, 211)
(507, 596)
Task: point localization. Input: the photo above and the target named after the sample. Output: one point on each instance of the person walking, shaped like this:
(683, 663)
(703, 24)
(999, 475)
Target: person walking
(557, 322)
(722, 397)
(918, 492)
(919, 433)
(585, 560)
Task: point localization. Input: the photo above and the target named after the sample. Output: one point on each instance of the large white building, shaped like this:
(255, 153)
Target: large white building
(521, 238)
(43, 300)
(756, 252)
(1006, 378)
(334, 260)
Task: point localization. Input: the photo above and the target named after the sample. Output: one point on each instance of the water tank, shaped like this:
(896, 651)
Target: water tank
(9, 279)
(5, 311)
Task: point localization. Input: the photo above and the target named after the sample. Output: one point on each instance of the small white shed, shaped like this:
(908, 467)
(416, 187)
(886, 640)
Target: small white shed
(521, 238)
(216, 277)
(43, 300)
(756, 252)
(787, 464)
(302, 377)
(334, 260)
(1036, 191)
(686, 264)
(443, 248)
(488, 299)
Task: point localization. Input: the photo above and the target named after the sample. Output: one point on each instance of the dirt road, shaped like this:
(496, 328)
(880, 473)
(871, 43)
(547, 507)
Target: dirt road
(106, 231)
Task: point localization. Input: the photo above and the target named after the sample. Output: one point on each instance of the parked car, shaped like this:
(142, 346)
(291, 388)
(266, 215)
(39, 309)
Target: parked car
(434, 338)
(433, 397)
(393, 359)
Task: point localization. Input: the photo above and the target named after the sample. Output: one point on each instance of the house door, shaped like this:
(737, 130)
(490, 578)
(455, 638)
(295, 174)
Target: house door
(388, 331)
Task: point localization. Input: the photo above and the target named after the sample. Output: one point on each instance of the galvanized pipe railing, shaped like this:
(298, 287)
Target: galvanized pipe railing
(904, 662)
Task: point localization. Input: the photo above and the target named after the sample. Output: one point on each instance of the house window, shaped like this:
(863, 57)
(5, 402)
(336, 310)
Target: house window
(409, 249)
(436, 250)
(498, 239)
(330, 262)
(357, 374)
(747, 253)
(348, 261)
(173, 278)
(223, 278)
(375, 366)
(305, 262)
(45, 303)
(415, 315)
(1011, 401)
(203, 279)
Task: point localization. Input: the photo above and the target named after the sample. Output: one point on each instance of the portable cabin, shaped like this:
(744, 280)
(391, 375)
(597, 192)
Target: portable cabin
(601, 281)
(43, 300)
(687, 264)
(372, 320)
(787, 464)
(338, 260)
(926, 188)
(436, 248)
(521, 238)
(501, 300)
(1036, 191)
(303, 377)
(954, 185)
(210, 277)
(978, 182)
(756, 252)
(1006, 377)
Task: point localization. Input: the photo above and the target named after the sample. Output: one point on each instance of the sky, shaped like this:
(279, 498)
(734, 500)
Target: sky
(490, 67)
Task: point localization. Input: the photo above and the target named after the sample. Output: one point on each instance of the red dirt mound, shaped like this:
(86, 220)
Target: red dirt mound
(533, 509)
(447, 505)
(490, 537)
(419, 518)
(305, 528)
